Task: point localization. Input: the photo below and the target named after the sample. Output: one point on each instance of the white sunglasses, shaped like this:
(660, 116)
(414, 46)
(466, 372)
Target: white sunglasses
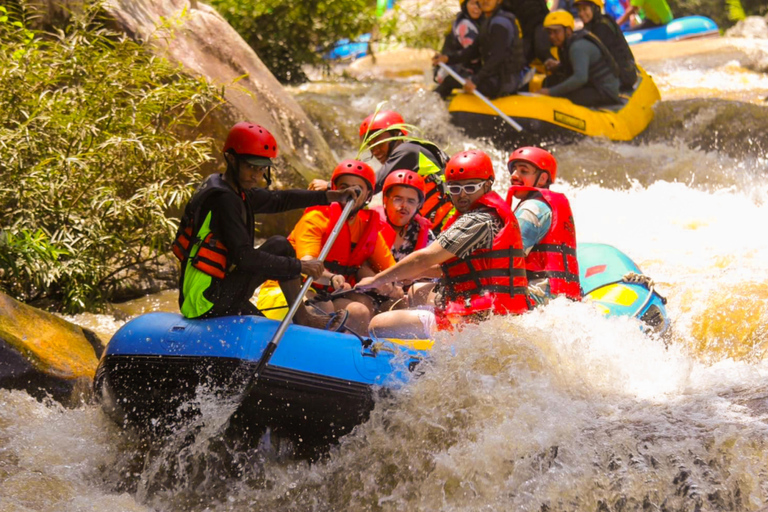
(470, 188)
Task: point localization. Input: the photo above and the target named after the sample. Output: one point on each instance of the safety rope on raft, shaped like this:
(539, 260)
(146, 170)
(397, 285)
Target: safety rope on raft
(643, 280)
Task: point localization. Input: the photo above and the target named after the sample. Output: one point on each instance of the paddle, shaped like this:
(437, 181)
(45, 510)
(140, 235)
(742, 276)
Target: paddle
(267, 355)
(338, 294)
(480, 95)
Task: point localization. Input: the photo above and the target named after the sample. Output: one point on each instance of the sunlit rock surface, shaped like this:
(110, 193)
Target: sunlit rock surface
(44, 354)
(205, 44)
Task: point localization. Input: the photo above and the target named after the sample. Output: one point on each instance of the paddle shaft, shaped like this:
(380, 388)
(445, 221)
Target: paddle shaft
(267, 355)
(482, 96)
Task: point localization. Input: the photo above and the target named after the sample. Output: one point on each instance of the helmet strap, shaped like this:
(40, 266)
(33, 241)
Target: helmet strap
(233, 170)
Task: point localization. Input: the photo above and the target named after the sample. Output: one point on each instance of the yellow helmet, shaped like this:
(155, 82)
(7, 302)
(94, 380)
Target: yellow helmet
(562, 18)
(599, 3)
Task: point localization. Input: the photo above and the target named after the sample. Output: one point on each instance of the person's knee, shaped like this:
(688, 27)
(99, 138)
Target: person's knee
(279, 246)
(381, 323)
(359, 311)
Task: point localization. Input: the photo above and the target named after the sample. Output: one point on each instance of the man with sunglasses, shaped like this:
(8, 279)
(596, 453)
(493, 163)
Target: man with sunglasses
(480, 254)
(546, 224)
(220, 268)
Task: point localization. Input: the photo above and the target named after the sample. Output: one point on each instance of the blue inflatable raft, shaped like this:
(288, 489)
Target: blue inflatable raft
(346, 49)
(318, 384)
(688, 27)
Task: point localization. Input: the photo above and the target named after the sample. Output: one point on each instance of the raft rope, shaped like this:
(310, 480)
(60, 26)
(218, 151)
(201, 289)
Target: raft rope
(643, 280)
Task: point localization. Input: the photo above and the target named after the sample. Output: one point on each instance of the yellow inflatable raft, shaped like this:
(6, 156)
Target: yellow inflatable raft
(548, 119)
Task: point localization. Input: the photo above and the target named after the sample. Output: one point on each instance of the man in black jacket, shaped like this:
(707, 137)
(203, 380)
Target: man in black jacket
(590, 12)
(586, 73)
(530, 14)
(500, 49)
(220, 268)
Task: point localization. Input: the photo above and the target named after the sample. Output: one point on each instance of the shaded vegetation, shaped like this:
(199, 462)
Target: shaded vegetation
(724, 12)
(91, 157)
(289, 34)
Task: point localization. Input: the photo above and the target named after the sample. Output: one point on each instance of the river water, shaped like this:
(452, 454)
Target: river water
(560, 409)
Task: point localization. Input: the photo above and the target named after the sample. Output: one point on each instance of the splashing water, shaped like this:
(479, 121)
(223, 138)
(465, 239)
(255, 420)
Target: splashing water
(560, 409)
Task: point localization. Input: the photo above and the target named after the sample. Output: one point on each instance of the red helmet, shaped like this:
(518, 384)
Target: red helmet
(405, 178)
(469, 165)
(539, 158)
(251, 139)
(383, 120)
(354, 168)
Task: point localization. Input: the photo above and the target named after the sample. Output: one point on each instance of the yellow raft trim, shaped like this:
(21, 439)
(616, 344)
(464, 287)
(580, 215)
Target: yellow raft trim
(616, 293)
(624, 125)
(415, 344)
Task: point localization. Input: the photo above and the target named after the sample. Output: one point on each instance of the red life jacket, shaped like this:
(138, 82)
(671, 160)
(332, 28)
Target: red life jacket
(388, 232)
(554, 257)
(346, 258)
(492, 279)
(211, 257)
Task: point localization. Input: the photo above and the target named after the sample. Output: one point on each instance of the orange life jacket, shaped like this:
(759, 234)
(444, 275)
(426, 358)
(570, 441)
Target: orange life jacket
(389, 234)
(211, 257)
(346, 258)
(554, 257)
(488, 279)
(437, 205)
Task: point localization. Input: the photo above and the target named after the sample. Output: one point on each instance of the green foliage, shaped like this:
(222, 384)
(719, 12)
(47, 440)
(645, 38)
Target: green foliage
(724, 12)
(91, 157)
(289, 33)
(735, 10)
(424, 28)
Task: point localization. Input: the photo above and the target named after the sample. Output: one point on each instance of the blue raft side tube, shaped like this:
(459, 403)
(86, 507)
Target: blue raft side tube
(687, 27)
(346, 49)
(602, 266)
(303, 349)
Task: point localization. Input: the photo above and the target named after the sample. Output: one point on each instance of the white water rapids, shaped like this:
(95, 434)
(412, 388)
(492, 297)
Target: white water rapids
(557, 410)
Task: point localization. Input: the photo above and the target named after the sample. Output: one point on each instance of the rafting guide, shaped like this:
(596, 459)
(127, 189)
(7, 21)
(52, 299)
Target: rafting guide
(220, 268)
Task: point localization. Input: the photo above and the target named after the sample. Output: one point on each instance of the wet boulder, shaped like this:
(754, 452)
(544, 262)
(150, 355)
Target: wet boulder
(45, 355)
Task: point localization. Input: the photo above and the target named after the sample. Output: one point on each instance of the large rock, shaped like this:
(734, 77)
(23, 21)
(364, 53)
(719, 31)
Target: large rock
(43, 354)
(752, 27)
(198, 38)
(395, 63)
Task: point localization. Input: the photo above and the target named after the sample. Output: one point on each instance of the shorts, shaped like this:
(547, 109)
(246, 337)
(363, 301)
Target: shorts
(432, 320)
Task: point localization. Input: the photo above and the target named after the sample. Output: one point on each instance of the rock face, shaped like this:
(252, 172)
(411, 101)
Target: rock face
(44, 354)
(206, 45)
(752, 27)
